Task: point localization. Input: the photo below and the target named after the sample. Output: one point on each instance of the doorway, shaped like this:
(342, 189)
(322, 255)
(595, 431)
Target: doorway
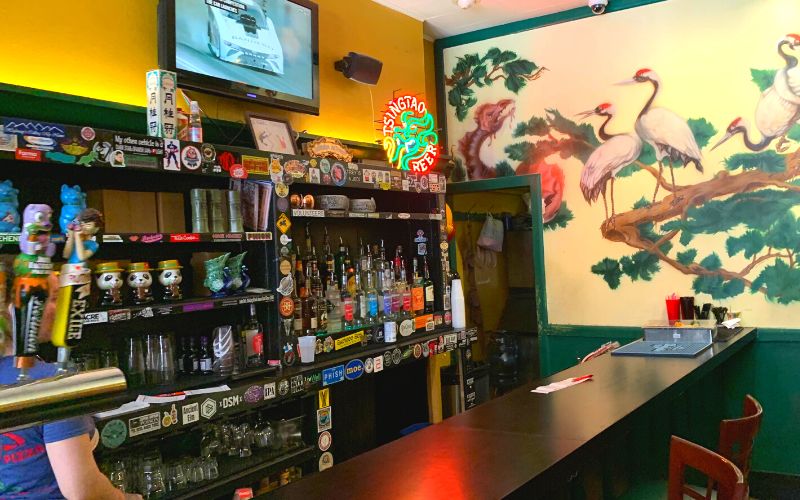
(503, 280)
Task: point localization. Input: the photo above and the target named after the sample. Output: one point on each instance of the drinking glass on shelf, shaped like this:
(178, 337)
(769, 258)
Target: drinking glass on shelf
(166, 363)
(210, 468)
(160, 363)
(197, 472)
(152, 481)
(118, 476)
(177, 477)
(133, 362)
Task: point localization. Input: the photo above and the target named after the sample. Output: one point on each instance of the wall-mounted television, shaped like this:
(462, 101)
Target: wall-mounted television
(258, 50)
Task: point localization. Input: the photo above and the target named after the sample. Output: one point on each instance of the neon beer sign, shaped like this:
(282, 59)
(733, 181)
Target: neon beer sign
(409, 135)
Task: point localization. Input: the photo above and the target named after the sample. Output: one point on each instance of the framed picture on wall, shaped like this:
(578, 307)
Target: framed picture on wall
(272, 134)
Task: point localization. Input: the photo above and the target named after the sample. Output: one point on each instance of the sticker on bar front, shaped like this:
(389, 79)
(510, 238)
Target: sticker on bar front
(114, 434)
(144, 424)
(324, 419)
(332, 375)
(190, 413)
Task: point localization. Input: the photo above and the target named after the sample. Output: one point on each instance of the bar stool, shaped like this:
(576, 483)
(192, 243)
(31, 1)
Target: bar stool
(736, 439)
(721, 472)
(737, 435)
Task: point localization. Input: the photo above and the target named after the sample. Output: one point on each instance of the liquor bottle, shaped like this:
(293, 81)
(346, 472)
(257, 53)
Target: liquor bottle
(195, 357)
(321, 311)
(417, 290)
(366, 266)
(187, 365)
(195, 123)
(179, 354)
(398, 261)
(447, 284)
(347, 305)
(316, 279)
(205, 356)
(351, 280)
(427, 284)
(309, 242)
(328, 256)
(371, 316)
(309, 313)
(348, 261)
(447, 294)
(362, 255)
(387, 318)
(334, 304)
(397, 294)
(253, 340)
(299, 277)
(378, 264)
(298, 310)
(339, 260)
(359, 302)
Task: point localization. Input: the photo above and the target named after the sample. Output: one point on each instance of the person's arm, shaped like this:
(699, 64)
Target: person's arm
(77, 473)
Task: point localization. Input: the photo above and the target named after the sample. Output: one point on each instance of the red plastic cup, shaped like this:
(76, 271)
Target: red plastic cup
(673, 309)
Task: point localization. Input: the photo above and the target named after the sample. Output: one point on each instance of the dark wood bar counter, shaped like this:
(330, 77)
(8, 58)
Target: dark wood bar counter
(521, 444)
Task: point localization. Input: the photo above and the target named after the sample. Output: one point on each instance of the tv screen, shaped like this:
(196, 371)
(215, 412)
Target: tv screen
(262, 50)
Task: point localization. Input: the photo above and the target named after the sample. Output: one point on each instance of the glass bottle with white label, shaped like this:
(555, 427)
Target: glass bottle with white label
(359, 300)
(427, 285)
(253, 340)
(206, 357)
(371, 316)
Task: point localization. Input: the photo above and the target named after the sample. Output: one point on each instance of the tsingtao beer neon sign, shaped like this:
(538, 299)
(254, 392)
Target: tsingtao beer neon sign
(409, 135)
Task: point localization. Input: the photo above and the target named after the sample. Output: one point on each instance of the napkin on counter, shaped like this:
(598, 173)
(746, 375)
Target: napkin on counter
(731, 323)
(563, 384)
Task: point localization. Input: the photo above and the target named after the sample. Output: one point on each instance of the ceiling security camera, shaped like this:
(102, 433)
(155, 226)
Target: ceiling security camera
(598, 6)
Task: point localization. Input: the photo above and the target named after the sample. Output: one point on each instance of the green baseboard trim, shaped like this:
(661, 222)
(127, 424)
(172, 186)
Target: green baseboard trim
(778, 335)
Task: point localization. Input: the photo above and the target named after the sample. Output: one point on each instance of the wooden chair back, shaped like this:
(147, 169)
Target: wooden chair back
(727, 477)
(736, 435)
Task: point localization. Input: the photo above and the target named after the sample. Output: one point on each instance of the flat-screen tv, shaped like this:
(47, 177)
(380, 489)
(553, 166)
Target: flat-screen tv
(257, 50)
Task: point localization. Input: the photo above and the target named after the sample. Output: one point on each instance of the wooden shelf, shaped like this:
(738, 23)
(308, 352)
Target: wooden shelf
(118, 314)
(327, 214)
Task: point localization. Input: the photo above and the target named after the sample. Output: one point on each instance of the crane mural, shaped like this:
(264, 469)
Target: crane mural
(688, 196)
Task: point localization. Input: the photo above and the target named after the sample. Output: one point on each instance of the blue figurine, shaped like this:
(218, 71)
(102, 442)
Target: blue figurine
(73, 201)
(9, 208)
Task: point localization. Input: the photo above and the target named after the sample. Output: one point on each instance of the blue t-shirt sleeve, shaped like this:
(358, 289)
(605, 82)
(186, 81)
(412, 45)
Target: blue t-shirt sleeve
(65, 429)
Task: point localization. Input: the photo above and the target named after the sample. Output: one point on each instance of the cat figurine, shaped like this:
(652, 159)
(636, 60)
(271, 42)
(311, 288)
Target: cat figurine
(9, 208)
(73, 201)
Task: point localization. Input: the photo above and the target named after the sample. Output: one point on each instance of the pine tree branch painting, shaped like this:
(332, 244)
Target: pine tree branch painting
(472, 70)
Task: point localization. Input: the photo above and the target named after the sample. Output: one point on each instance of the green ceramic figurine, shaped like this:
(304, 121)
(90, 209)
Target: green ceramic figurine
(216, 280)
(236, 272)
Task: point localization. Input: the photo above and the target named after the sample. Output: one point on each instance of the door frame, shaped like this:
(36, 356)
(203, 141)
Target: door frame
(534, 185)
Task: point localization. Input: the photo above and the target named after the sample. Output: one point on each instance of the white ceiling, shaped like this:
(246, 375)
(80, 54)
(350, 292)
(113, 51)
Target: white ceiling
(444, 18)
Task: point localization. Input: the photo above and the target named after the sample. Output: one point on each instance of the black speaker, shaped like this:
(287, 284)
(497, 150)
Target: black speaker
(360, 68)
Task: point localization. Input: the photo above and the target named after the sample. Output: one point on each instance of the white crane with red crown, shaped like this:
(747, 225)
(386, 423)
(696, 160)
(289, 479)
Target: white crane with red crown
(617, 152)
(778, 108)
(668, 133)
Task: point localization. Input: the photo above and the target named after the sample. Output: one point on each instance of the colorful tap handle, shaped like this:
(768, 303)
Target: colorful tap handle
(32, 267)
(75, 282)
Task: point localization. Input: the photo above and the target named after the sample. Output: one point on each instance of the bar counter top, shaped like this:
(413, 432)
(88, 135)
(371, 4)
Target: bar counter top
(518, 443)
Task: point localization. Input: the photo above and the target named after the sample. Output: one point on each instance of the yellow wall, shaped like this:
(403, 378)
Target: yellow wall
(430, 78)
(102, 48)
